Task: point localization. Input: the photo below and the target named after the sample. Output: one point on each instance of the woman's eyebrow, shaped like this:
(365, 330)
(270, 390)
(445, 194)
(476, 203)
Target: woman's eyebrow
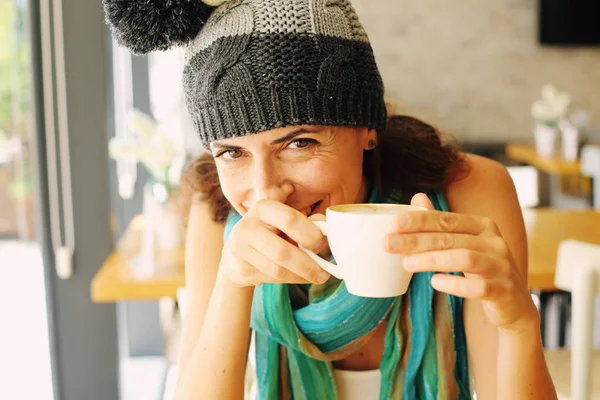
(292, 135)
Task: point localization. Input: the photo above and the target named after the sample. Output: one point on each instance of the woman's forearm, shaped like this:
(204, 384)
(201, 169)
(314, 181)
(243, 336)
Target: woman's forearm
(217, 366)
(522, 371)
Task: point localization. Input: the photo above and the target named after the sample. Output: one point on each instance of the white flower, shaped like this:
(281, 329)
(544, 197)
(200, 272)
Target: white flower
(140, 124)
(124, 149)
(542, 111)
(149, 144)
(158, 155)
(552, 107)
(165, 152)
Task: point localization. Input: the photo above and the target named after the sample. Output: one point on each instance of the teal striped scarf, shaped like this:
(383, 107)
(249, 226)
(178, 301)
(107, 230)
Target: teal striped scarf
(301, 329)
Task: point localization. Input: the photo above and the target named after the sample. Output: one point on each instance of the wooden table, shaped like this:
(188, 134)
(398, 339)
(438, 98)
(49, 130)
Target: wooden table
(526, 153)
(545, 229)
(115, 281)
(568, 173)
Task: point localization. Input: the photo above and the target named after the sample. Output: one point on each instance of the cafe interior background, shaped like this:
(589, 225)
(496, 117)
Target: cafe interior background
(93, 141)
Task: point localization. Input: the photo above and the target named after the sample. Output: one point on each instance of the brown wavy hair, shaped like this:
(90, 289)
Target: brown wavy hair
(411, 156)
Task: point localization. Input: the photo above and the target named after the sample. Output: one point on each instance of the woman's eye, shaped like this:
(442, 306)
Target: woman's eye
(302, 143)
(230, 154)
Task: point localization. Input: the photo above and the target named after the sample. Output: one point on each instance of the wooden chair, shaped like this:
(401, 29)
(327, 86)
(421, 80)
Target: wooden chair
(590, 166)
(578, 271)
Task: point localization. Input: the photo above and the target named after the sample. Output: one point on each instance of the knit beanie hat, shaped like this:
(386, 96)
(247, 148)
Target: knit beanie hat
(256, 65)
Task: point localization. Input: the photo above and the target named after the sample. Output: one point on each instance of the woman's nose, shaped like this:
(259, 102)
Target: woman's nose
(276, 192)
(269, 185)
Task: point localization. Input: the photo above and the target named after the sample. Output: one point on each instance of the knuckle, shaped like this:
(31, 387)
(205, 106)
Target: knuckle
(242, 227)
(503, 248)
(409, 220)
(509, 286)
(288, 220)
(428, 260)
(244, 270)
(262, 204)
(416, 219)
(313, 242)
(313, 274)
(446, 241)
(489, 224)
(233, 248)
(447, 221)
(278, 272)
(282, 254)
(408, 242)
(486, 289)
(469, 258)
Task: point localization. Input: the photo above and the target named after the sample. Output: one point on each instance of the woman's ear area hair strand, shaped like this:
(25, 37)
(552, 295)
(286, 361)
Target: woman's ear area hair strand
(148, 25)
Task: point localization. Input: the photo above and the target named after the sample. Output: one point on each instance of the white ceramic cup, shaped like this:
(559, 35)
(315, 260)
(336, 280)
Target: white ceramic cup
(356, 237)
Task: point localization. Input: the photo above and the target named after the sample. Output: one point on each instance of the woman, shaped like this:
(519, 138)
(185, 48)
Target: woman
(287, 98)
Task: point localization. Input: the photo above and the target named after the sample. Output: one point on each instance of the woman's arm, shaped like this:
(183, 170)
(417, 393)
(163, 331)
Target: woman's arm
(214, 345)
(222, 285)
(518, 370)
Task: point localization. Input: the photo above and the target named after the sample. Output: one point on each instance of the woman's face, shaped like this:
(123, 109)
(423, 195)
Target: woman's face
(306, 167)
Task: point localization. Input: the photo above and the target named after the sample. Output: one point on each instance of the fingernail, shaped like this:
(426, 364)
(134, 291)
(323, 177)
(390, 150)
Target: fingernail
(410, 263)
(323, 277)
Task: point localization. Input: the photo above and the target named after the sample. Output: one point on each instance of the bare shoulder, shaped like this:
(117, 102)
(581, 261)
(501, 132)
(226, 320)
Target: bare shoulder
(485, 186)
(487, 190)
(201, 217)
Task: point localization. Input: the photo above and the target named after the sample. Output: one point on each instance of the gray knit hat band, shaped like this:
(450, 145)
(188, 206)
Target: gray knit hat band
(256, 65)
(235, 87)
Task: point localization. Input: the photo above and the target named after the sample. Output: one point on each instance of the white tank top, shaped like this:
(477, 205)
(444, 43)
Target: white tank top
(357, 385)
(350, 385)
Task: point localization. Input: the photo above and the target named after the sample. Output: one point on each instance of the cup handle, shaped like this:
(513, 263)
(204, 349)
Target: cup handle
(333, 269)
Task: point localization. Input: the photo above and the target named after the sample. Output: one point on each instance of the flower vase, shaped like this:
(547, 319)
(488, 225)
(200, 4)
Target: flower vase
(545, 140)
(570, 143)
(163, 228)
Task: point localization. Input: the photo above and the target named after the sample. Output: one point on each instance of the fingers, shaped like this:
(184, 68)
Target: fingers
(438, 221)
(466, 287)
(413, 243)
(258, 250)
(289, 221)
(421, 200)
(317, 217)
(259, 269)
(281, 254)
(246, 275)
(476, 287)
(458, 260)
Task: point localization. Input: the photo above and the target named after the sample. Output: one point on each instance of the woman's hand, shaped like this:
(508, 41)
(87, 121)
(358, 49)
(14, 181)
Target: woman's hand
(472, 245)
(256, 252)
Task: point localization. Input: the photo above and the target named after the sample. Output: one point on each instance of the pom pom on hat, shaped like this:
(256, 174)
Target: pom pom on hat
(147, 25)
